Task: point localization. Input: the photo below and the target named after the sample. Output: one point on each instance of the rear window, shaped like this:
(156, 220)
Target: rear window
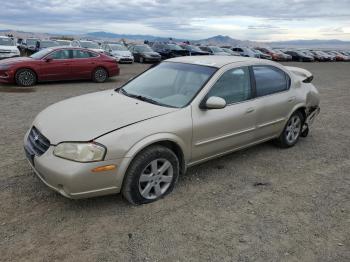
(270, 80)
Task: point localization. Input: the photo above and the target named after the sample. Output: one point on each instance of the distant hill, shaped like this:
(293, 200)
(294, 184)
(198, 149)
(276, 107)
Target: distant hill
(219, 40)
(333, 43)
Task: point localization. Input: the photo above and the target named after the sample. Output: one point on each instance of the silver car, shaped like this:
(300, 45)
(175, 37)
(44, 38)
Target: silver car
(139, 138)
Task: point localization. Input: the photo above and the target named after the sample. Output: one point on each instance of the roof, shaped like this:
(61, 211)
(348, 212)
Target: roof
(212, 60)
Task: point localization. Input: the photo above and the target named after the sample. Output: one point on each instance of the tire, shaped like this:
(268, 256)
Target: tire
(292, 131)
(144, 180)
(25, 77)
(100, 75)
(142, 60)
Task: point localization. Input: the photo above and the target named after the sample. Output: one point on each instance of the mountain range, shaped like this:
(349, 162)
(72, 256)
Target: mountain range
(219, 40)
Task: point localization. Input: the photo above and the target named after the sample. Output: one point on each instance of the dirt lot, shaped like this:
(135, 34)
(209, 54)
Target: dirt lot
(260, 204)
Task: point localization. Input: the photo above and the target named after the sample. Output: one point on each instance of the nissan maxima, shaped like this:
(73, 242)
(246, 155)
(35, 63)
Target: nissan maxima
(139, 138)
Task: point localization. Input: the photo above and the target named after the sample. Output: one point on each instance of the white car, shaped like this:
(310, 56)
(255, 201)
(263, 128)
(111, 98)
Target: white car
(119, 52)
(8, 48)
(88, 44)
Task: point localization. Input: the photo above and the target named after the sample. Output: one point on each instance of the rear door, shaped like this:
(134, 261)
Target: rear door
(56, 66)
(83, 64)
(275, 100)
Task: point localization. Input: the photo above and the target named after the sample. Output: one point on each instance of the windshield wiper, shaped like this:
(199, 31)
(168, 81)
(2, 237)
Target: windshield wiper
(142, 98)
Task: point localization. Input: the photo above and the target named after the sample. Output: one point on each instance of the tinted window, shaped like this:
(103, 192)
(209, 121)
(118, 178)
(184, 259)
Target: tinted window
(270, 80)
(61, 54)
(80, 54)
(233, 86)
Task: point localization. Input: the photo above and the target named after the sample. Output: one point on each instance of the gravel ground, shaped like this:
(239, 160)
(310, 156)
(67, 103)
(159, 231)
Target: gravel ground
(260, 204)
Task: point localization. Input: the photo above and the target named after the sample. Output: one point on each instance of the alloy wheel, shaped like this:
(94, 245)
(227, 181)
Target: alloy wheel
(26, 78)
(100, 75)
(156, 178)
(293, 129)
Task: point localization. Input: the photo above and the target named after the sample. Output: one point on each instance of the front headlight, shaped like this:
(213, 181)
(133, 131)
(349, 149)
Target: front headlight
(80, 152)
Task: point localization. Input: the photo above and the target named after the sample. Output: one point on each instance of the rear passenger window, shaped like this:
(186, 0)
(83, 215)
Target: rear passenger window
(270, 80)
(80, 54)
(233, 86)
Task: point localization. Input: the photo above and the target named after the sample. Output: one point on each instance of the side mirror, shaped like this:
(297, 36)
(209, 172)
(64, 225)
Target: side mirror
(215, 102)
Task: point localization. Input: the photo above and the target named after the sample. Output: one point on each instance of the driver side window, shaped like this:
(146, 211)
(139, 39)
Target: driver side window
(233, 86)
(60, 54)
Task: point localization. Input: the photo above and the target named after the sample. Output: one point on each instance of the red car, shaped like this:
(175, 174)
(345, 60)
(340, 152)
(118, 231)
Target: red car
(58, 63)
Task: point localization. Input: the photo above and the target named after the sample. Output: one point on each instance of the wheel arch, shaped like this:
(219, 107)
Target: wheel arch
(171, 141)
(100, 66)
(28, 68)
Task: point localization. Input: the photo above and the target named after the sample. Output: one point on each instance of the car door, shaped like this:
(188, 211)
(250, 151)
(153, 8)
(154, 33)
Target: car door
(275, 100)
(217, 131)
(84, 62)
(56, 66)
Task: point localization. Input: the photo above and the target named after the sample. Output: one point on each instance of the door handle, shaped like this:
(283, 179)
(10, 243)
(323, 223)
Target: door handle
(291, 99)
(250, 110)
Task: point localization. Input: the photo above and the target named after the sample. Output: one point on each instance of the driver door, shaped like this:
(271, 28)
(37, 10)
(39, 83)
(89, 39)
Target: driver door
(56, 66)
(216, 131)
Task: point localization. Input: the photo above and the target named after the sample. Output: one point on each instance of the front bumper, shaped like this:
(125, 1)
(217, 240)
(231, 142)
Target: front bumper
(74, 179)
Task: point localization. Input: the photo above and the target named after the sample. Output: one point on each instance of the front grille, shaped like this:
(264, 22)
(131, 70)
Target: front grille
(37, 143)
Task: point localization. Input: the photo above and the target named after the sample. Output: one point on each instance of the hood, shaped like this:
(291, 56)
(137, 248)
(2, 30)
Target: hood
(10, 61)
(121, 53)
(86, 117)
(151, 53)
(10, 48)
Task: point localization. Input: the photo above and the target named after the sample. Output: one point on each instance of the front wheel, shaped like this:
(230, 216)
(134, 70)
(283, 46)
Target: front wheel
(291, 131)
(151, 175)
(25, 77)
(100, 75)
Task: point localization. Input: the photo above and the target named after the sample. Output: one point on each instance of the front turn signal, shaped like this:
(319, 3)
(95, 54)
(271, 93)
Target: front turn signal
(104, 168)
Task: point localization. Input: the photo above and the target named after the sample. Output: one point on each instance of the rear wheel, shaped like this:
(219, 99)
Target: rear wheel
(25, 77)
(291, 131)
(100, 75)
(151, 175)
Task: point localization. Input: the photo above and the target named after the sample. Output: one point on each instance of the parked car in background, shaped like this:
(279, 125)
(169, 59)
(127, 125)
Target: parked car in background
(47, 43)
(30, 46)
(299, 56)
(245, 51)
(139, 138)
(213, 50)
(58, 63)
(339, 56)
(63, 42)
(322, 56)
(194, 50)
(119, 52)
(8, 47)
(230, 52)
(91, 45)
(285, 57)
(169, 50)
(261, 54)
(143, 53)
(274, 55)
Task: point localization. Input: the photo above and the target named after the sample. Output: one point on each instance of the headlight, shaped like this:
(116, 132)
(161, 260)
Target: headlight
(80, 152)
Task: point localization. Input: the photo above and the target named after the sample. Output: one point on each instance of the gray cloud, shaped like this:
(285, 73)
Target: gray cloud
(166, 15)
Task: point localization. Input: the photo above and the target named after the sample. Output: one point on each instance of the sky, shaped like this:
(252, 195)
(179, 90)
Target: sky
(257, 20)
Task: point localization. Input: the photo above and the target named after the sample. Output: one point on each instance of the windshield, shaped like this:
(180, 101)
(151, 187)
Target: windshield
(143, 48)
(7, 41)
(46, 44)
(42, 53)
(170, 84)
(257, 51)
(31, 41)
(227, 50)
(118, 48)
(216, 49)
(192, 48)
(86, 44)
(174, 47)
